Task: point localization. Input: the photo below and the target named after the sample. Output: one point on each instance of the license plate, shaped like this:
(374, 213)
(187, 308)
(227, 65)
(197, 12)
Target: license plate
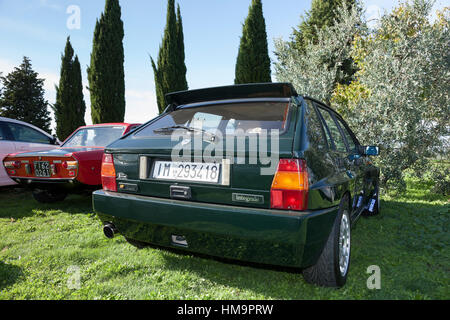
(42, 169)
(187, 171)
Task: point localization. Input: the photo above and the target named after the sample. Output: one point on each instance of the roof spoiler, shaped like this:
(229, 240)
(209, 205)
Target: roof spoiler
(240, 91)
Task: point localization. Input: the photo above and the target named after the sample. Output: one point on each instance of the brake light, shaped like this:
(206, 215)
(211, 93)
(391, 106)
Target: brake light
(290, 185)
(12, 164)
(108, 173)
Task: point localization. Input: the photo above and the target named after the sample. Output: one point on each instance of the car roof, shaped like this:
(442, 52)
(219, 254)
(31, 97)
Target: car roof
(241, 91)
(25, 124)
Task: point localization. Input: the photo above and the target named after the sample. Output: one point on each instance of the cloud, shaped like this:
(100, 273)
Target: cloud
(141, 106)
(50, 4)
(6, 66)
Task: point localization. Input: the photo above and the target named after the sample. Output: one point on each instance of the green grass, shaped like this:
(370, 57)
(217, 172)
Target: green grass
(409, 241)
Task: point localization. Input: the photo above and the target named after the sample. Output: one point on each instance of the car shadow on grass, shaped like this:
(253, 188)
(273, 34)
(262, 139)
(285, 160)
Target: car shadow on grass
(268, 280)
(18, 203)
(9, 274)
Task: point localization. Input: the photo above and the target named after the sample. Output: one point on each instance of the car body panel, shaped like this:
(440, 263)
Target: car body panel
(6, 147)
(251, 234)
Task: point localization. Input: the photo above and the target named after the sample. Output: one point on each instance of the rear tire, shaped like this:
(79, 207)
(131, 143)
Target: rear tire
(49, 196)
(331, 269)
(376, 205)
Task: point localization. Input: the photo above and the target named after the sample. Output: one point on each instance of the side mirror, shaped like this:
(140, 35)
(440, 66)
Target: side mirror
(370, 150)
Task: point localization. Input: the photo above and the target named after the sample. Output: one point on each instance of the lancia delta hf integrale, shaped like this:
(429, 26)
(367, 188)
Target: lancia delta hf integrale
(250, 172)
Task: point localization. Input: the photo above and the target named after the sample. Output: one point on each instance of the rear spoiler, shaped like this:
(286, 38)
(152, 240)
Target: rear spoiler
(241, 91)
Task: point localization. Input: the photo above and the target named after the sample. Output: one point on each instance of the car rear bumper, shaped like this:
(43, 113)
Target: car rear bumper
(53, 183)
(284, 238)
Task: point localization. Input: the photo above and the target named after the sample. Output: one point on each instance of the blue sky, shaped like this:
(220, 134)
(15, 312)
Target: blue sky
(212, 28)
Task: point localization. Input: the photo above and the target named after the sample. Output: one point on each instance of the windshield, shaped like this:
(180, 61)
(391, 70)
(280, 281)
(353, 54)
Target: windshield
(227, 118)
(94, 137)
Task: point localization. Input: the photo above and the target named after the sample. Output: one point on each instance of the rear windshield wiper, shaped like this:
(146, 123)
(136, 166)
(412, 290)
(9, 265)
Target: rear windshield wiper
(190, 129)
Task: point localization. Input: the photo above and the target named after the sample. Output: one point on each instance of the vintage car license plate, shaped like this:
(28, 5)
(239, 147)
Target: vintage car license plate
(42, 169)
(187, 171)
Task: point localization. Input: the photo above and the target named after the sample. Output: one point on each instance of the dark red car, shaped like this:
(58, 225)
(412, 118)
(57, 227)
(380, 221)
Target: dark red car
(71, 168)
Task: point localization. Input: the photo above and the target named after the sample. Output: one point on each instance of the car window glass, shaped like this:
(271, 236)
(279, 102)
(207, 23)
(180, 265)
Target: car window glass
(351, 143)
(334, 131)
(2, 132)
(315, 129)
(23, 133)
(94, 137)
(252, 117)
(206, 121)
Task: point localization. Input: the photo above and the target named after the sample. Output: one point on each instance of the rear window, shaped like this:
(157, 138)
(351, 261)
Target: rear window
(94, 137)
(227, 118)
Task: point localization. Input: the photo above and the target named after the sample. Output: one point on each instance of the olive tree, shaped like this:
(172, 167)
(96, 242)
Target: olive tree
(310, 70)
(399, 97)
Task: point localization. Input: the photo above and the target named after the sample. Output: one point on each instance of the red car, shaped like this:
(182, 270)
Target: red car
(71, 168)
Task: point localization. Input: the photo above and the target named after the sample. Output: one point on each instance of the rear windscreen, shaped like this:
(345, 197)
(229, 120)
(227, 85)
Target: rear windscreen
(94, 137)
(251, 117)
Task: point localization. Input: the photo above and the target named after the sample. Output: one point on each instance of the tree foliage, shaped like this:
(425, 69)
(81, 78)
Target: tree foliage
(405, 74)
(106, 72)
(70, 107)
(170, 69)
(325, 13)
(253, 61)
(399, 99)
(23, 97)
(310, 70)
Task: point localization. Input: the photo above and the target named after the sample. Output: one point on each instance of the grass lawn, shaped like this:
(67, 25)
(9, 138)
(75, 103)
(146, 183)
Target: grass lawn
(409, 241)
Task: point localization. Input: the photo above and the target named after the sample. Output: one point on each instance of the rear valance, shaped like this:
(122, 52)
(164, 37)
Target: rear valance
(242, 91)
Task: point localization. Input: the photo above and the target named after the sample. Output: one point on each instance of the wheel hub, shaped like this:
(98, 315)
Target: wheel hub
(344, 244)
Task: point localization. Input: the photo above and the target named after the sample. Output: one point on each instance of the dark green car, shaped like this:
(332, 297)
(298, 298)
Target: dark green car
(250, 172)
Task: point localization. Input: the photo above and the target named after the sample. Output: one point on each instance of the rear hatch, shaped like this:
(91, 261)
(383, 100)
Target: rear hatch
(224, 152)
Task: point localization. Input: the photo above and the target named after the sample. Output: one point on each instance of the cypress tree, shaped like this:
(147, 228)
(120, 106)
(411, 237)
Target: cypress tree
(23, 97)
(70, 106)
(170, 69)
(106, 72)
(182, 70)
(323, 13)
(253, 62)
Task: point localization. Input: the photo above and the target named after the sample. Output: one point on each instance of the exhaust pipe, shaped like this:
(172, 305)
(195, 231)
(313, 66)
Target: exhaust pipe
(110, 230)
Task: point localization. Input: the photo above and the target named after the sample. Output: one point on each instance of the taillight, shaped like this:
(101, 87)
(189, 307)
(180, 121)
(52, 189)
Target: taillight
(289, 189)
(53, 169)
(70, 165)
(12, 164)
(108, 173)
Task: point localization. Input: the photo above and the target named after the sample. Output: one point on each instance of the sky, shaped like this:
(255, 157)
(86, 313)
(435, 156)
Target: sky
(212, 28)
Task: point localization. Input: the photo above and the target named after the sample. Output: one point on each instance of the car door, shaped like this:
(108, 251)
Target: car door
(338, 151)
(7, 146)
(369, 174)
(356, 166)
(29, 139)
